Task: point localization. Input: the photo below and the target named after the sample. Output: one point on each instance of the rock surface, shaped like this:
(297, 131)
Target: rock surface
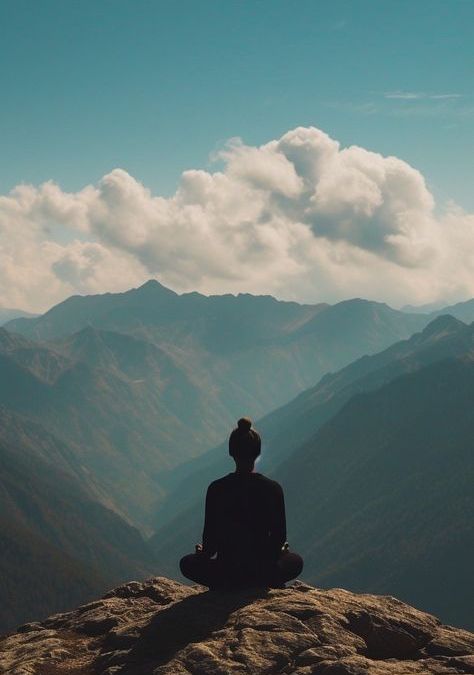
(161, 627)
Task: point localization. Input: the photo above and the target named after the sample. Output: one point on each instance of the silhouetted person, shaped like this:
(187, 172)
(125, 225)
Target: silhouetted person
(245, 526)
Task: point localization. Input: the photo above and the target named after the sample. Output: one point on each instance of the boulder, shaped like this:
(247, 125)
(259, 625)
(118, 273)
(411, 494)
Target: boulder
(162, 627)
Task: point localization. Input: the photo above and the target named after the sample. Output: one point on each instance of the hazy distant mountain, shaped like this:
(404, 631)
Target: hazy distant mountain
(294, 433)
(254, 352)
(141, 382)
(7, 315)
(429, 308)
(154, 306)
(285, 429)
(462, 310)
(123, 407)
(58, 545)
(445, 337)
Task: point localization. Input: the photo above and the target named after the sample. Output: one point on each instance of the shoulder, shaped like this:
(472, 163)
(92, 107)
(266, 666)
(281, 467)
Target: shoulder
(270, 485)
(219, 484)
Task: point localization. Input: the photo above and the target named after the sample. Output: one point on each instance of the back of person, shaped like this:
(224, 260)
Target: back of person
(245, 518)
(244, 525)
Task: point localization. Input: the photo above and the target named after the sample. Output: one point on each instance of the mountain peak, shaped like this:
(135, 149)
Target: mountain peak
(360, 306)
(164, 627)
(152, 286)
(443, 324)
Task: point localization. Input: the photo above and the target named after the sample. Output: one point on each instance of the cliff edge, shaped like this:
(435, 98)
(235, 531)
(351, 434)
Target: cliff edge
(162, 627)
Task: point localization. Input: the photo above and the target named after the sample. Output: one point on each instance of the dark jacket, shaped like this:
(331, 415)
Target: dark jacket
(245, 518)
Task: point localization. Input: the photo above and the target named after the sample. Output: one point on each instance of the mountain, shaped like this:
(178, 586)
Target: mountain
(445, 337)
(165, 628)
(154, 306)
(38, 578)
(129, 387)
(59, 545)
(255, 352)
(288, 427)
(461, 310)
(376, 463)
(428, 308)
(139, 383)
(122, 406)
(386, 488)
(7, 315)
(464, 311)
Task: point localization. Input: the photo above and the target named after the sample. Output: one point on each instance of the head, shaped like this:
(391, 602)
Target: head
(244, 445)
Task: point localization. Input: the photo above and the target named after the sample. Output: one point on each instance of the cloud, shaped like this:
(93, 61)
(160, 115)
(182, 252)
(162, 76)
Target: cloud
(298, 217)
(425, 104)
(444, 96)
(405, 95)
(417, 95)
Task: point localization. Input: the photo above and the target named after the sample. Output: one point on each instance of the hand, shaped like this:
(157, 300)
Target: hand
(198, 548)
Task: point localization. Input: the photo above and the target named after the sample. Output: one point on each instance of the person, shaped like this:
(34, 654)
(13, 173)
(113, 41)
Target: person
(244, 537)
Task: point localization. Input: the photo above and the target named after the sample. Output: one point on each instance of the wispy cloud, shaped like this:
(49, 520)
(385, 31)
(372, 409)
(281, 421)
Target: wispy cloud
(445, 96)
(409, 103)
(418, 95)
(432, 108)
(404, 95)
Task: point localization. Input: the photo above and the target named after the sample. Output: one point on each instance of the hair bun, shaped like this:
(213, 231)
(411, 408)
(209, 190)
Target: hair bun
(244, 424)
(244, 442)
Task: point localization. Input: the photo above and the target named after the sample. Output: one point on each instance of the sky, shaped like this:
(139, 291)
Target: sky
(314, 150)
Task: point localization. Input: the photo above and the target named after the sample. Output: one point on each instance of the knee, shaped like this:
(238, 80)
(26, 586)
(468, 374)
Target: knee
(186, 564)
(298, 564)
(292, 564)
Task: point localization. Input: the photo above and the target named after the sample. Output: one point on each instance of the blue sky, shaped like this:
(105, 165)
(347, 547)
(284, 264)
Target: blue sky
(353, 175)
(155, 87)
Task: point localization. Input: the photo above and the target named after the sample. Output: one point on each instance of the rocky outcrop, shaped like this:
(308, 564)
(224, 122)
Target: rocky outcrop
(161, 627)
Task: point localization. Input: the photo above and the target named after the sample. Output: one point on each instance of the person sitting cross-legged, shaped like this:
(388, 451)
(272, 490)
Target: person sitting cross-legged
(244, 539)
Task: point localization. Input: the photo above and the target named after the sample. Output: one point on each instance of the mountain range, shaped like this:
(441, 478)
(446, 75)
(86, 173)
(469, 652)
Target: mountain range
(140, 382)
(121, 404)
(376, 463)
(288, 427)
(109, 405)
(7, 315)
(255, 352)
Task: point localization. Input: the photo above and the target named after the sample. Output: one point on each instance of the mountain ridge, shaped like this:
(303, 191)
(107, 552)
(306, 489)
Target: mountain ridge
(256, 352)
(301, 417)
(59, 544)
(317, 447)
(393, 473)
(8, 314)
(123, 403)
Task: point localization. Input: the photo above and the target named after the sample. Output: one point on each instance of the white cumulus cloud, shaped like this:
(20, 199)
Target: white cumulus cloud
(298, 217)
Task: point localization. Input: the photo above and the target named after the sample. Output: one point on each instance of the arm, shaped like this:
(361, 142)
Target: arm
(209, 535)
(278, 523)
